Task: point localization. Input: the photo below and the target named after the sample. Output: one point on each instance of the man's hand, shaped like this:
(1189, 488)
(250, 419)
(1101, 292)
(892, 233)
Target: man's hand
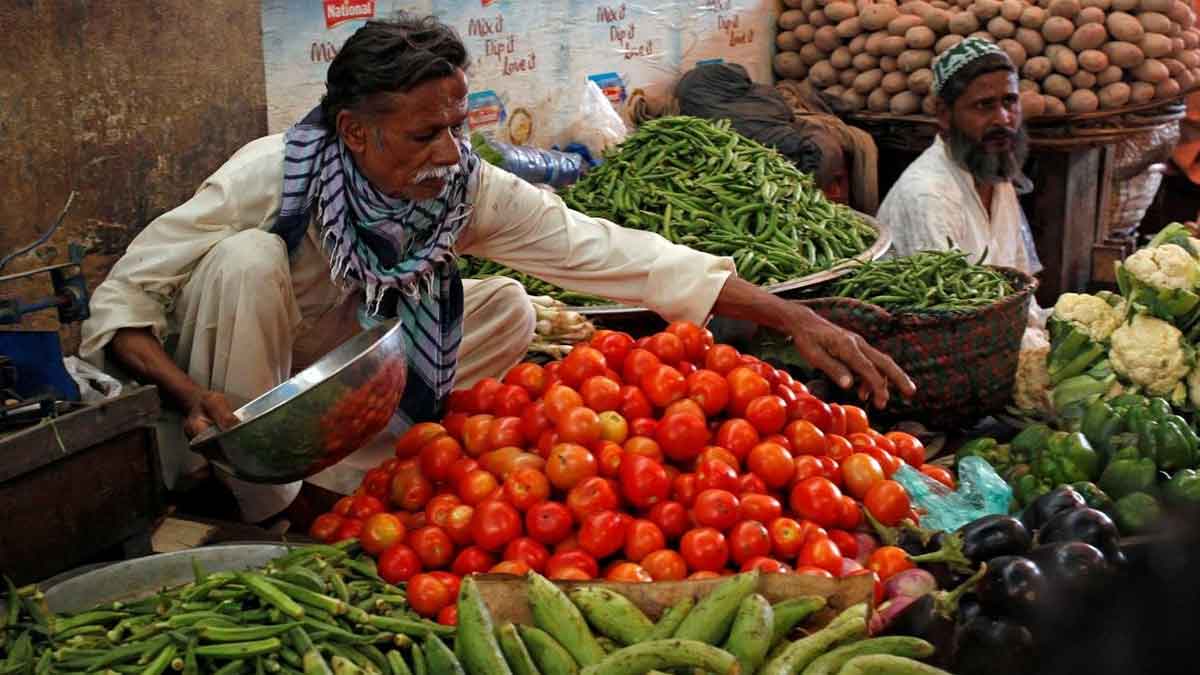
(209, 408)
(839, 353)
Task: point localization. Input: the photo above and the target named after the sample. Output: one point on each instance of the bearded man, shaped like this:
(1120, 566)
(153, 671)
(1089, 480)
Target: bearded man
(960, 190)
(355, 215)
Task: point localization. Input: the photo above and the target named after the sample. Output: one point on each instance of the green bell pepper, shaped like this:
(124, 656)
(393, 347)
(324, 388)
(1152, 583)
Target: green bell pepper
(1100, 423)
(1068, 458)
(1183, 488)
(1031, 441)
(1173, 449)
(1028, 488)
(1128, 472)
(987, 449)
(1160, 409)
(1095, 497)
(1137, 512)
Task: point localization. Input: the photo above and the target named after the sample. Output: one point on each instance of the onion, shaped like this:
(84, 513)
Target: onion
(889, 610)
(911, 583)
(866, 546)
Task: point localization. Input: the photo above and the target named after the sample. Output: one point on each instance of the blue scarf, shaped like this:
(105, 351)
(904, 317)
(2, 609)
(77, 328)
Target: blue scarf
(399, 252)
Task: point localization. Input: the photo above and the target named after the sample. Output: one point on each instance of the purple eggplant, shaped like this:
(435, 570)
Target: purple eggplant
(995, 535)
(1089, 526)
(1014, 586)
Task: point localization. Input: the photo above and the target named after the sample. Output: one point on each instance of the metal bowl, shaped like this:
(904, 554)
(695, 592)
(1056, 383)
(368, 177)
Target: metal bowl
(319, 416)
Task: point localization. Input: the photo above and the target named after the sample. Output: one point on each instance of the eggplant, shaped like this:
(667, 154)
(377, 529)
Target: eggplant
(987, 646)
(1073, 568)
(992, 536)
(1088, 526)
(1013, 586)
(1048, 506)
(932, 617)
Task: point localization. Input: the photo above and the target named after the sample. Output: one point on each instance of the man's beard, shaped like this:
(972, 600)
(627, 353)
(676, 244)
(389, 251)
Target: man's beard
(989, 167)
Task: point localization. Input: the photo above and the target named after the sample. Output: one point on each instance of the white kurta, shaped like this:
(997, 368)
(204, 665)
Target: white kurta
(935, 200)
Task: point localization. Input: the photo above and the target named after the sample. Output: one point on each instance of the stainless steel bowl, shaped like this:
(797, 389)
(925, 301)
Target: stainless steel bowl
(318, 417)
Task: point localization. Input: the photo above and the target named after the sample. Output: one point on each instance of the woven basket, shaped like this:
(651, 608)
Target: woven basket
(964, 363)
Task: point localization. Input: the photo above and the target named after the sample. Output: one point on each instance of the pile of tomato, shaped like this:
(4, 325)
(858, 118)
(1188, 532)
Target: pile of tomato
(663, 458)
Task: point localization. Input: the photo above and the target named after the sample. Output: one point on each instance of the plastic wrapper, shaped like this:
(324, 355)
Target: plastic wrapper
(981, 492)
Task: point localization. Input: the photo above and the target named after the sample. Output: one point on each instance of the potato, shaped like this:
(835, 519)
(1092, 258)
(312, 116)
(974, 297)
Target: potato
(921, 82)
(1190, 58)
(864, 62)
(1037, 68)
(964, 23)
(1000, 27)
(920, 37)
(938, 21)
(817, 18)
(805, 33)
(1140, 92)
(877, 17)
(849, 28)
(879, 101)
(1175, 31)
(1083, 101)
(790, 65)
(1031, 40)
(1151, 70)
(1124, 54)
(1101, 5)
(894, 83)
(787, 42)
(1016, 53)
(858, 45)
(841, 58)
(1186, 80)
(792, 18)
(1114, 95)
(840, 11)
(913, 60)
(1033, 17)
(1088, 36)
(793, 4)
(929, 104)
(1178, 45)
(1065, 8)
(826, 39)
(985, 9)
(940, 4)
(1058, 86)
(1154, 22)
(905, 103)
(1191, 38)
(1054, 105)
(982, 35)
(811, 54)
(915, 7)
(1057, 29)
(1083, 80)
(889, 64)
(1156, 46)
(1028, 85)
(1054, 50)
(894, 45)
(901, 24)
(1124, 27)
(1163, 6)
(1109, 76)
(846, 77)
(947, 42)
(1174, 67)
(875, 43)
(1093, 60)
(1181, 14)
(1124, 5)
(835, 92)
(1090, 15)
(1168, 88)
(1032, 104)
(852, 101)
(1065, 62)
(1012, 9)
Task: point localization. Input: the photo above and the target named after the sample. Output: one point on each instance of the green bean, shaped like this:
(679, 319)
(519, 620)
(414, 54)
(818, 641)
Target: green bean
(928, 281)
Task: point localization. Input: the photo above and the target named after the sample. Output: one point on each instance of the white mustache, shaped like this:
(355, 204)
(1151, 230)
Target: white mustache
(438, 172)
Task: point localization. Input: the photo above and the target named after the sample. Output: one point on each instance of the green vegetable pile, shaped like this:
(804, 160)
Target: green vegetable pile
(925, 281)
(318, 609)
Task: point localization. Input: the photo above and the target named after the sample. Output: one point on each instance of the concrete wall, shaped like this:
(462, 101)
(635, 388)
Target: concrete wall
(129, 103)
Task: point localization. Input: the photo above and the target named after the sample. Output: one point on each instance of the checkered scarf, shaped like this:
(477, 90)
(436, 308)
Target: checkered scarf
(399, 252)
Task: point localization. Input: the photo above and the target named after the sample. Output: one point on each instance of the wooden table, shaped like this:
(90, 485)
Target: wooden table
(81, 485)
(1074, 165)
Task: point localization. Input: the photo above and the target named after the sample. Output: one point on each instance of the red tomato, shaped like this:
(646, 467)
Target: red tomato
(837, 416)
(861, 442)
(601, 393)
(576, 559)
(886, 561)
(583, 362)
(767, 413)
(325, 527)
(748, 539)
(459, 470)
(664, 385)
(761, 507)
(534, 420)
(365, 506)
(438, 456)
(816, 411)
(592, 495)
(806, 438)
(381, 531)
(477, 486)
(888, 502)
(686, 368)
(644, 482)
(454, 423)
(683, 488)
(559, 399)
(511, 400)
(525, 487)
(472, 560)
(851, 516)
(807, 466)
(714, 474)
(495, 524)
(703, 574)
(738, 436)
(786, 538)
(602, 534)
(517, 568)
(608, 458)
(528, 551)
(820, 551)
(529, 376)
(448, 616)
(548, 522)
(856, 419)
(721, 359)
(415, 438)
(667, 347)
(476, 431)
(342, 506)
(613, 427)
(765, 565)
(642, 538)
(845, 542)
(644, 426)
(504, 432)
(860, 471)
(579, 425)
(665, 565)
(638, 363)
(682, 436)
(773, 464)
(704, 549)
(716, 508)
(908, 447)
(745, 385)
(709, 389)
(629, 573)
(461, 401)
(939, 474)
(670, 517)
(818, 500)
(634, 404)
(613, 345)
(427, 595)
(458, 524)
(569, 574)
(484, 392)
(838, 448)
(410, 490)
(647, 447)
(719, 454)
(696, 340)
(398, 563)
(378, 483)
(568, 464)
(685, 405)
(813, 571)
(433, 546)
(887, 461)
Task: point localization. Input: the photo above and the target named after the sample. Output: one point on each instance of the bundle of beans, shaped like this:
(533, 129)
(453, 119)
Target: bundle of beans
(1076, 56)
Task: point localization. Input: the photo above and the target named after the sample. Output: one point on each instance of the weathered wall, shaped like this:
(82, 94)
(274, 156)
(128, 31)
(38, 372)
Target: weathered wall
(131, 104)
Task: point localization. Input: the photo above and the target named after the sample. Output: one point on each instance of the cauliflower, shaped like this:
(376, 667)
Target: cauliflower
(1168, 266)
(1150, 353)
(1193, 384)
(1032, 388)
(1090, 314)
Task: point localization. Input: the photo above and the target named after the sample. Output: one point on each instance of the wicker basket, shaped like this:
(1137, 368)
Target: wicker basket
(964, 363)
